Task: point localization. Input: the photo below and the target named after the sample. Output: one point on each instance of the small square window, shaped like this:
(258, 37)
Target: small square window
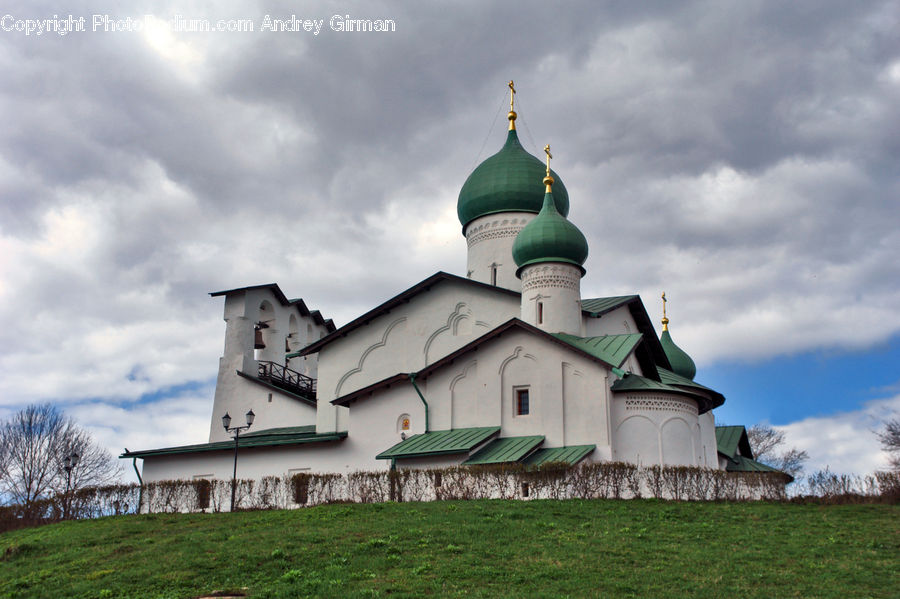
(524, 489)
(438, 479)
(522, 402)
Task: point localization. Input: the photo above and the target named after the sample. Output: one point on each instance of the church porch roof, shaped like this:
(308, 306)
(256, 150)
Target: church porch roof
(505, 450)
(569, 455)
(461, 440)
(273, 437)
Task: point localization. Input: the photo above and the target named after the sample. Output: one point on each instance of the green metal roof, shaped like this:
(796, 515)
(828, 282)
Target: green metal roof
(741, 464)
(597, 306)
(612, 349)
(440, 442)
(549, 237)
(287, 430)
(635, 382)
(295, 435)
(502, 451)
(732, 441)
(569, 455)
(510, 180)
(670, 378)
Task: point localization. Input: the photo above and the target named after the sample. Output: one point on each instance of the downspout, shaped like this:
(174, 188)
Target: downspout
(140, 482)
(412, 379)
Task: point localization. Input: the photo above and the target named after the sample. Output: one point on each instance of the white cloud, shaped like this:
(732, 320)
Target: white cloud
(845, 443)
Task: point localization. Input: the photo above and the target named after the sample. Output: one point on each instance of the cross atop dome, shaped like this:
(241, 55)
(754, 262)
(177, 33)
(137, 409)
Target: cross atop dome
(512, 113)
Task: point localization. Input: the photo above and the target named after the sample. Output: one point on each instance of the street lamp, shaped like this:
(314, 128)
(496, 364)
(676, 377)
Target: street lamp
(226, 422)
(69, 464)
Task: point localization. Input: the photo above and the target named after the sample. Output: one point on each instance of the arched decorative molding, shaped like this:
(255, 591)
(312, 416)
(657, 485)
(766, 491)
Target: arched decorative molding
(636, 416)
(365, 354)
(571, 367)
(666, 450)
(516, 353)
(462, 375)
(460, 312)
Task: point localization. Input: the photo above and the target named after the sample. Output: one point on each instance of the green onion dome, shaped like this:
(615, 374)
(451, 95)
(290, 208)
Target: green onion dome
(507, 182)
(549, 237)
(682, 364)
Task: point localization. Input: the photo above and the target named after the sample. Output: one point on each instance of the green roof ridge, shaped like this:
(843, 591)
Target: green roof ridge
(612, 349)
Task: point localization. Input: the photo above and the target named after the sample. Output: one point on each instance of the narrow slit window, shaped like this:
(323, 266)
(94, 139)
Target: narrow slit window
(493, 275)
(522, 402)
(540, 312)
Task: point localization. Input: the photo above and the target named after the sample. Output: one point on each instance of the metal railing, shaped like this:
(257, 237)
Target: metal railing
(284, 377)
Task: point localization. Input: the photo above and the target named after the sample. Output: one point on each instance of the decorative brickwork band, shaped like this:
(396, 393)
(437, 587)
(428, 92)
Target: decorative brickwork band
(659, 404)
(544, 277)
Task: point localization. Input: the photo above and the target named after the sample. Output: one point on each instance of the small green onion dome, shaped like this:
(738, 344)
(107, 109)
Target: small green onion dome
(507, 182)
(682, 363)
(549, 237)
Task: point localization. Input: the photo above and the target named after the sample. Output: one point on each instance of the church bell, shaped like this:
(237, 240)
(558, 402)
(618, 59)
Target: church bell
(258, 342)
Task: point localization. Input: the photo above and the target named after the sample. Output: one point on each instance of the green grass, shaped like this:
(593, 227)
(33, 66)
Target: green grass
(575, 548)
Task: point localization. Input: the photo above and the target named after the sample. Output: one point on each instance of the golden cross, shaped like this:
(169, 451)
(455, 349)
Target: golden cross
(549, 156)
(512, 92)
(664, 304)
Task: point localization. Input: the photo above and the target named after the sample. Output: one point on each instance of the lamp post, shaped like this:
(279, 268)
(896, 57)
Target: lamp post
(226, 422)
(69, 464)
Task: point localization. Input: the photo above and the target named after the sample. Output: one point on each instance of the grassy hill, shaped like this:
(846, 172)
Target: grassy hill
(641, 548)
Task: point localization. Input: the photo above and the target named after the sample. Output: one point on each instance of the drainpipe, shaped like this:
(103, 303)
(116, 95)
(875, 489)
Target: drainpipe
(412, 379)
(140, 482)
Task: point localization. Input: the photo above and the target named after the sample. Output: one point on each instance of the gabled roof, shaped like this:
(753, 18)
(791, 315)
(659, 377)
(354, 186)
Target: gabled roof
(284, 301)
(503, 451)
(599, 306)
(460, 440)
(733, 441)
(293, 435)
(613, 349)
(401, 298)
(569, 455)
(512, 324)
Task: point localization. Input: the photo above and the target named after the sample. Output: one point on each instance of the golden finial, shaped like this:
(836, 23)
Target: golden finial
(512, 113)
(548, 180)
(665, 321)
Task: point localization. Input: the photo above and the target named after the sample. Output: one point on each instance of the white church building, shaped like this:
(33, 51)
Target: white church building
(506, 364)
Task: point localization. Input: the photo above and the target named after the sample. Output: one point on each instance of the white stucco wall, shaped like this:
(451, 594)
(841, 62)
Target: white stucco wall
(568, 398)
(428, 327)
(615, 322)
(551, 298)
(656, 428)
(489, 240)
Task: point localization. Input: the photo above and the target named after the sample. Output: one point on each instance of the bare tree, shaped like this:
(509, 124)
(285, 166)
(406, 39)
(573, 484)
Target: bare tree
(769, 448)
(34, 444)
(890, 441)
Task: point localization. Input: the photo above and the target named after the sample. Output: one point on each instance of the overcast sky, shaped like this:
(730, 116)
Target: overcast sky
(741, 156)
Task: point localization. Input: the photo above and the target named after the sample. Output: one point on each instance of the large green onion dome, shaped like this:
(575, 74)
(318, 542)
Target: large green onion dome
(549, 237)
(682, 363)
(507, 182)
